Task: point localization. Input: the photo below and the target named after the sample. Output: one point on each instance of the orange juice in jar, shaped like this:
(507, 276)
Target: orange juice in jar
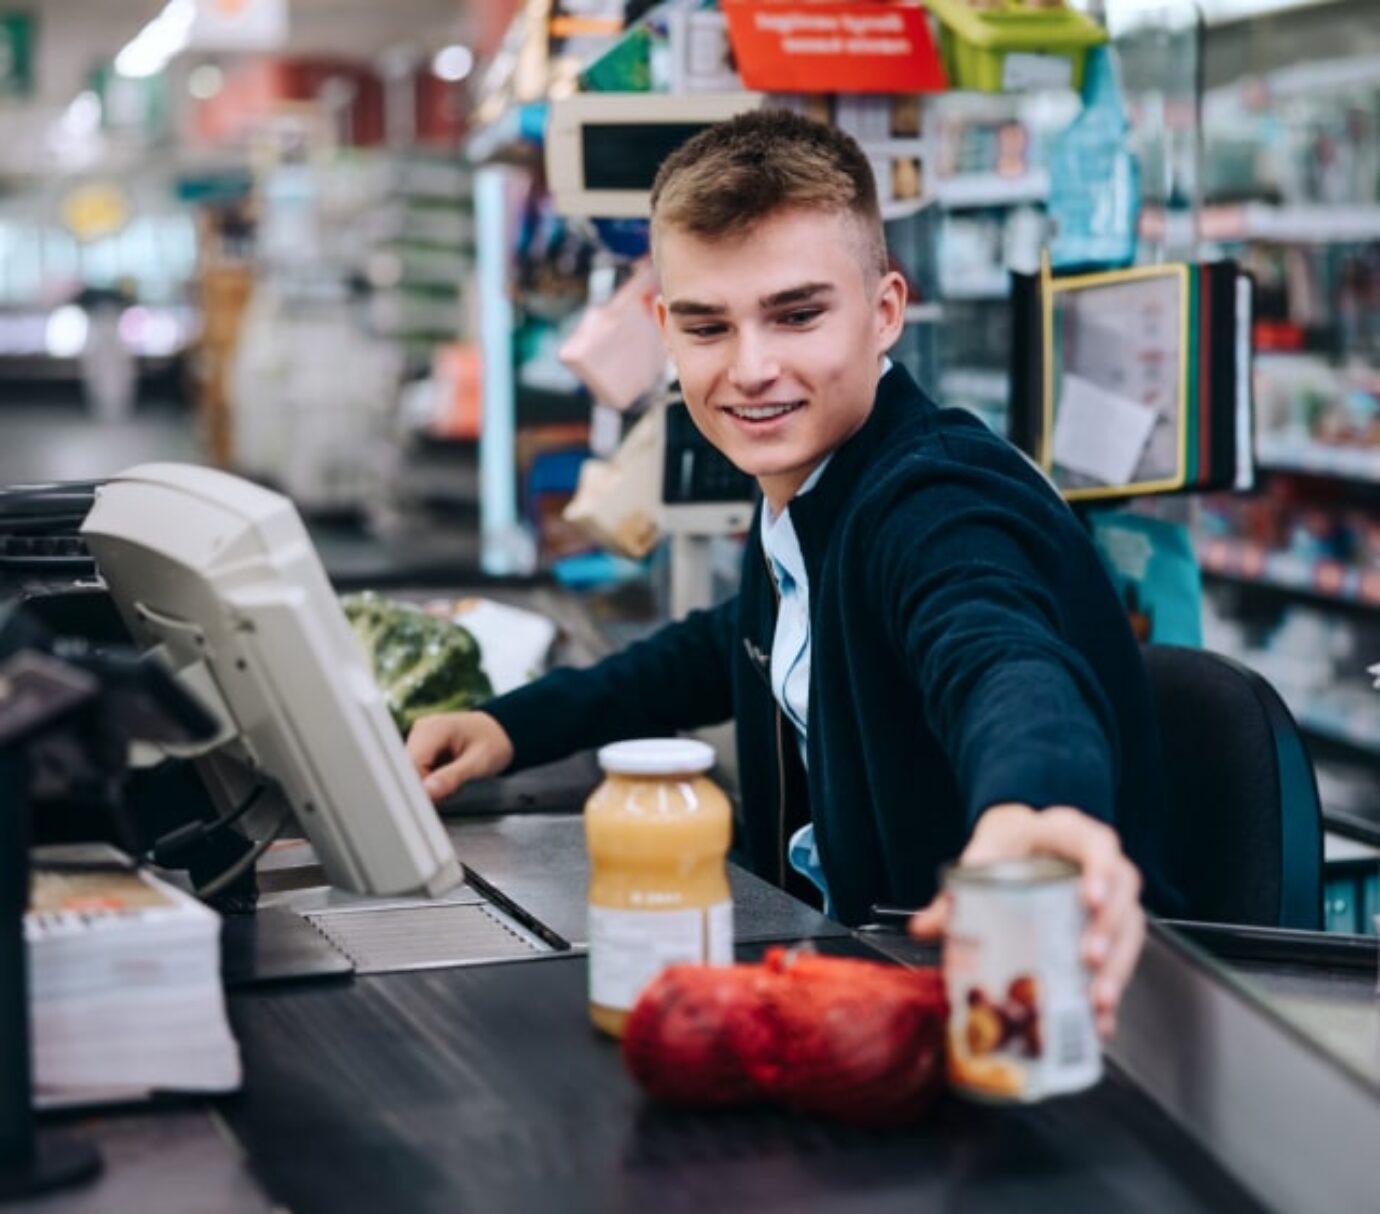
(658, 831)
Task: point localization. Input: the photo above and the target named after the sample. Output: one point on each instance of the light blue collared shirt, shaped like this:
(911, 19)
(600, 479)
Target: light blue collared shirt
(790, 654)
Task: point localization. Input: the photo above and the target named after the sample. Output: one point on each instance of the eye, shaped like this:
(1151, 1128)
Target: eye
(799, 318)
(705, 331)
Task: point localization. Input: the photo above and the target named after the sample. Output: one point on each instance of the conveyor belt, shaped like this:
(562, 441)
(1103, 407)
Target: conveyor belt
(539, 862)
(485, 1089)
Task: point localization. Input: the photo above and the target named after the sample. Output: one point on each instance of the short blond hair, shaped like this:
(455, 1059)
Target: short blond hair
(729, 177)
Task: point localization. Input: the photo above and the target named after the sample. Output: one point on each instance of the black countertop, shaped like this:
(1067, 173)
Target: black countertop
(538, 861)
(486, 1089)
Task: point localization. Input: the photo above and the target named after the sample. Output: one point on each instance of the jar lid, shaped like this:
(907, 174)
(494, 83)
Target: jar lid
(656, 757)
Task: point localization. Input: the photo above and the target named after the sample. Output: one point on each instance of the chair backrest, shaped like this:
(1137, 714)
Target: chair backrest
(1245, 839)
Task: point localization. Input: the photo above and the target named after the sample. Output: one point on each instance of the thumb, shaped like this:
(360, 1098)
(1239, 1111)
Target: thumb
(448, 780)
(929, 923)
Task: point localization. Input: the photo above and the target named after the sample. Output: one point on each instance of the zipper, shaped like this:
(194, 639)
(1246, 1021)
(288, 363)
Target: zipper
(780, 744)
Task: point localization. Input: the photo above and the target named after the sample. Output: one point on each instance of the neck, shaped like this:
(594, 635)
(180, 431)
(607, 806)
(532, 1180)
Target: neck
(779, 488)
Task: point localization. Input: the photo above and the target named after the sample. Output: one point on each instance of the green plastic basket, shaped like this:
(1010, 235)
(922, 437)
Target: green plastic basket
(1014, 47)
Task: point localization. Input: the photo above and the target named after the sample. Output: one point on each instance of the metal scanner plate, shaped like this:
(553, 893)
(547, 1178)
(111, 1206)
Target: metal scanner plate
(396, 939)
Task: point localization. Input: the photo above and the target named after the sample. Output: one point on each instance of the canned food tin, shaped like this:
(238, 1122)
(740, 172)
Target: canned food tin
(1021, 1023)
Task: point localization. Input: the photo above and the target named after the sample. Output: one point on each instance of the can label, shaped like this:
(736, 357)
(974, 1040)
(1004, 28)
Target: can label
(628, 948)
(1021, 1025)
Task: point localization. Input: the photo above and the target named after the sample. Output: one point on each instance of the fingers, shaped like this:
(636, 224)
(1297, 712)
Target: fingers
(446, 781)
(1122, 928)
(930, 923)
(1110, 888)
(445, 754)
(429, 742)
(1003, 832)
(1109, 986)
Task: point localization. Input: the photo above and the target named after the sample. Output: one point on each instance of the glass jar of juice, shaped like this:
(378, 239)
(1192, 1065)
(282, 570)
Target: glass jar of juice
(658, 831)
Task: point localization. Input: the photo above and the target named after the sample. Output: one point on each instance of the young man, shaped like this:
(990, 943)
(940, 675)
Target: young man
(925, 658)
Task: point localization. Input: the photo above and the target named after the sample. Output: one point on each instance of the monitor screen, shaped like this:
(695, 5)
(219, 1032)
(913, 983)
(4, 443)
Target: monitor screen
(626, 155)
(219, 577)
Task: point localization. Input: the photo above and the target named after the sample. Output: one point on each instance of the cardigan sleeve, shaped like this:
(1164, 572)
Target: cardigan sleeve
(676, 679)
(969, 587)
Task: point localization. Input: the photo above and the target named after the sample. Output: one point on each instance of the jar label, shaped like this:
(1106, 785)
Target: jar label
(627, 949)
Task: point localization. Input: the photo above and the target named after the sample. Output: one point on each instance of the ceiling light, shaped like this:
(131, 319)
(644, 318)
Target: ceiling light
(148, 52)
(453, 63)
(66, 331)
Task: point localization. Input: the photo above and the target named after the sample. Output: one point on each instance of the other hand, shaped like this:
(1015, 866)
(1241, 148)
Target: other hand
(450, 749)
(1110, 888)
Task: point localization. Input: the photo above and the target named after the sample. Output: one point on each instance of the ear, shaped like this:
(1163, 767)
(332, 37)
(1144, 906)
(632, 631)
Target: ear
(663, 317)
(891, 310)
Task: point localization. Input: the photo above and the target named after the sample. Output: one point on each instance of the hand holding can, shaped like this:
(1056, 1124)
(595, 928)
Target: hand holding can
(1109, 889)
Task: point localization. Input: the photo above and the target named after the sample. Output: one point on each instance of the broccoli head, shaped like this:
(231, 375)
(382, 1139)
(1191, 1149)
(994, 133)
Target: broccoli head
(422, 663)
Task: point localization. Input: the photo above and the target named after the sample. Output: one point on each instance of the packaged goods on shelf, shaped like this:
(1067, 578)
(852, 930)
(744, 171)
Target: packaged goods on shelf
(1012, 46)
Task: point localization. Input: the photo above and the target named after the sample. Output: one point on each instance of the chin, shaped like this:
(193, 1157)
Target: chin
(757, 464)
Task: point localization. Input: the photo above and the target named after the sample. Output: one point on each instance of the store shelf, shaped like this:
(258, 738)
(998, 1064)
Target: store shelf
(974, 383)
(1354, 828)
(892, 211)
(991, 190)
(923, 313)
(1318, 459)
(1242, 561)
(1361, 737)
(990, 289)
(1259, 221)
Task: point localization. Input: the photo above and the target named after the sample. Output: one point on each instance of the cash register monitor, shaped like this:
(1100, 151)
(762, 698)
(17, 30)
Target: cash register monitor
(220, 578)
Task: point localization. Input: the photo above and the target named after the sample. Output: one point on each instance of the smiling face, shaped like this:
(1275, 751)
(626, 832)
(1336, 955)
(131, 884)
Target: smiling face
(777, 335)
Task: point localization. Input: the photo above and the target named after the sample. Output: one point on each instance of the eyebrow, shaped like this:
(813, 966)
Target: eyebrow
(778, 299)
(796, 295)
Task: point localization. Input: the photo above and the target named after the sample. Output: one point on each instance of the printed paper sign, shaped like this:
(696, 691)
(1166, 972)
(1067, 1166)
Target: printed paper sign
(833, 48)
(1026, 71)
(1100, 433)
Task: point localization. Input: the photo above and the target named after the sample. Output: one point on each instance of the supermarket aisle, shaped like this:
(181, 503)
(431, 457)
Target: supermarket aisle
(58, 441)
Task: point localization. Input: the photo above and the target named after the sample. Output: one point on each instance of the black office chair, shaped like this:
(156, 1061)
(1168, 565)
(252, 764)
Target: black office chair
(1245, 841)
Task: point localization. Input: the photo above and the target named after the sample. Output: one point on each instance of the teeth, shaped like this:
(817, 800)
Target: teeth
(763, 412)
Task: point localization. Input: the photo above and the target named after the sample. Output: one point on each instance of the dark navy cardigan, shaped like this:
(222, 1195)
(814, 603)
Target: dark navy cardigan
(967, 649)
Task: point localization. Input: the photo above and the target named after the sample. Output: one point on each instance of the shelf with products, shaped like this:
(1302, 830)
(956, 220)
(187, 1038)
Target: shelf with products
(982, 190)
(923, 313)
(1305, 223)
(1282, 453)
(1301, 138)
(1322, 722)
(1316, 418)
(1316, 657)
(978, 383)
(421, 255)
(990, 186)
(1345, 716)
(1321, 579)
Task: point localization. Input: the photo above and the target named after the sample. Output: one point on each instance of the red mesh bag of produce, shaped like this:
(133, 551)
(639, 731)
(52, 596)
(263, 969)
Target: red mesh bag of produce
(854, 1040)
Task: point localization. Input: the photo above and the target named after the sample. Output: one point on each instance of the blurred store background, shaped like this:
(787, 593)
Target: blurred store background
(315, 242)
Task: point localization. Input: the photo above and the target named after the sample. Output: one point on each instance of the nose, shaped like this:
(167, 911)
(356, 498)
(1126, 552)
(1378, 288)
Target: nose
(754, 367)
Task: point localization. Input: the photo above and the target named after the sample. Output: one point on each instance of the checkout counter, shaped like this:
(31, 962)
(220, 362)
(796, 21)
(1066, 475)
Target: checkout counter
(439, 1057)
(479, 1084)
